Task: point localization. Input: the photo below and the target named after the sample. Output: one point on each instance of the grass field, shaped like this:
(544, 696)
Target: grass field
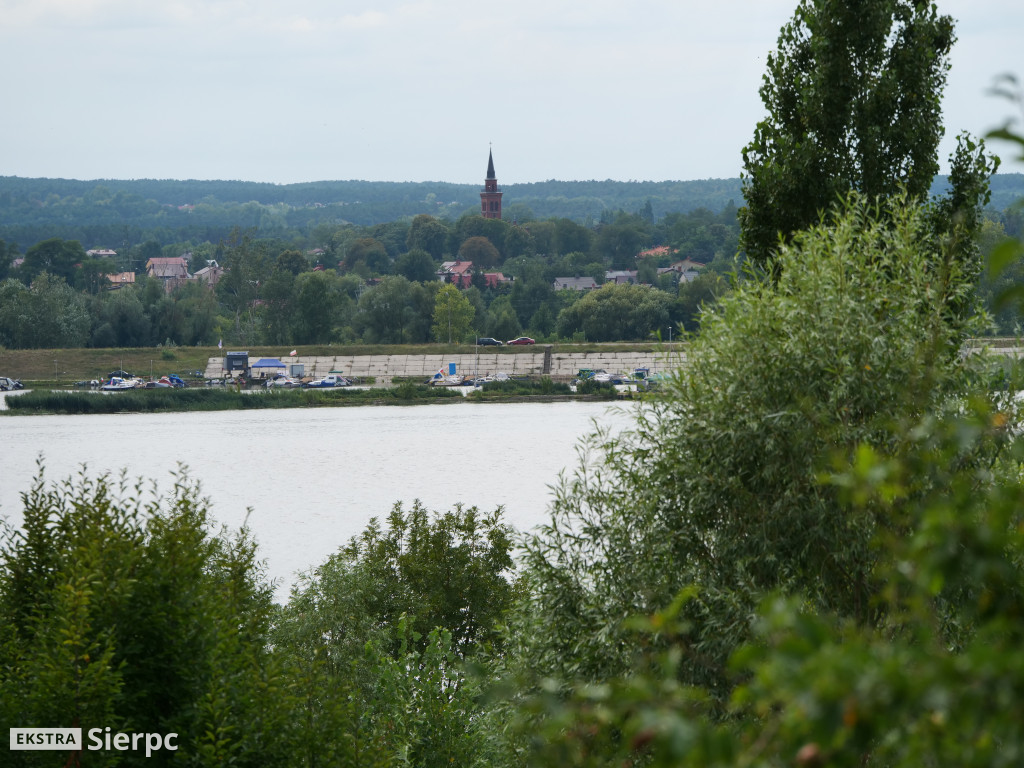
(63, 367)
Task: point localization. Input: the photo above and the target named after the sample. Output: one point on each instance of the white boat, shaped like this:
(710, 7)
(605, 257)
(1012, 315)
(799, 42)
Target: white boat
(117, 384)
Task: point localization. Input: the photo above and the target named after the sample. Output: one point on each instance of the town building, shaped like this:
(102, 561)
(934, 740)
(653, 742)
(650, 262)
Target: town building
(171, 270)
(120, 279)
(575, 284)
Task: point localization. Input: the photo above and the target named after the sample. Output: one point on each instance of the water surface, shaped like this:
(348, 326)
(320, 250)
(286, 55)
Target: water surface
(309, 479)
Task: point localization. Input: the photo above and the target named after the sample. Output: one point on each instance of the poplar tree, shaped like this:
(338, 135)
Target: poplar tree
(853, 94)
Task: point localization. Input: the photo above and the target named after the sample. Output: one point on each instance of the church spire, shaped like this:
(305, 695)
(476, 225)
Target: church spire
(490, 198)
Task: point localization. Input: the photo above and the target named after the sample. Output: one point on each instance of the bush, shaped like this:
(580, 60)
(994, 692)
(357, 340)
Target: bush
(716, 500)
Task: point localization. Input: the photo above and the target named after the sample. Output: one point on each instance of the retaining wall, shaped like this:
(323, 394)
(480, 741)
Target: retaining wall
(539, 361)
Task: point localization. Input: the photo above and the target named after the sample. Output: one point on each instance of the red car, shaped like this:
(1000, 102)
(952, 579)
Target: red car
(522, 340)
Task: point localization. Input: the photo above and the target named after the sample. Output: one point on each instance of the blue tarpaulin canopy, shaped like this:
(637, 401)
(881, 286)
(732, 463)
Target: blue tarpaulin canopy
(269, 362)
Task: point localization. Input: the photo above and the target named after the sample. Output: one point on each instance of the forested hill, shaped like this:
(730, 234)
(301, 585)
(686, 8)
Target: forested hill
(106, 212)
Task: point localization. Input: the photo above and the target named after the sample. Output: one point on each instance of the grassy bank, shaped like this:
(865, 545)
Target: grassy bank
(540, 388)
(63, 367)
(203, 399)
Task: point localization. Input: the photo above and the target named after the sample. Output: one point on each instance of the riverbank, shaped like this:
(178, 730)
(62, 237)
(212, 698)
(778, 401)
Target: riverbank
(41, 402)
(67, 402)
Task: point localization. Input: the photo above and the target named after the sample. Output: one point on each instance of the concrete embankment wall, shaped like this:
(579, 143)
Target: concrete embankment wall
(538, 361)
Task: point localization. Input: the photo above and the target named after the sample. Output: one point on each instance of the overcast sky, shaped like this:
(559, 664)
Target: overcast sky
(389, 90)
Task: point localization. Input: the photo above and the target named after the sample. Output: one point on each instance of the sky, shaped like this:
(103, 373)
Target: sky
(419, 90)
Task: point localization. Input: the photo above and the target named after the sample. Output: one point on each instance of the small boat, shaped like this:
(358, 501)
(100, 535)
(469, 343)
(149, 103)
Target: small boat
(447, 381)
(117, 384)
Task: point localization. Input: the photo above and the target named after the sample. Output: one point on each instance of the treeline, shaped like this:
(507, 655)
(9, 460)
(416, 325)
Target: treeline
(118, 214)
(379, 284)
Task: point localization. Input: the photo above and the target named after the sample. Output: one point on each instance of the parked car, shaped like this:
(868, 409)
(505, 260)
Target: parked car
(522, 340)
(8, 385)
(487, 341)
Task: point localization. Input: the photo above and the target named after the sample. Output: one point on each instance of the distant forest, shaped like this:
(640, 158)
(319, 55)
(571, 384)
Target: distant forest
(110, 213)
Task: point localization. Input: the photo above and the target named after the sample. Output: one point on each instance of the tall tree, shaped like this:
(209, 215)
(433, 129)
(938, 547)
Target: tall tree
(453, 315)
(48, 314)
(56, 256)
(853, 97)
(416, 266)
(383, 314)
(428, 234)
(480, 251)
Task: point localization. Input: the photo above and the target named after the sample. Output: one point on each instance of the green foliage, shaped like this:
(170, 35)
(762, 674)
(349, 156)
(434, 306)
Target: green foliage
(166, 400)
(617, 312)
(853, 95)
(502, 320)
(453, 315)
(717, 488)
(416, 266)
(480, 251)
(590, 387)
(388, 621)
(54, 256)
(126, 612)
(934, 681)
(48, 314)
(513, 387)
(450, 571)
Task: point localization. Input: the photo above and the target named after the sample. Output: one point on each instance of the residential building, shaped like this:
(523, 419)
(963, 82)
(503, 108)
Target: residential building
(452, 271)
(575, 284)
(172, 270)
(120, 280)
(620, 276)
(210, 274)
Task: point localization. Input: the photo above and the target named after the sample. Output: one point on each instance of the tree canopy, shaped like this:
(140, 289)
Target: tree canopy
(853, 94)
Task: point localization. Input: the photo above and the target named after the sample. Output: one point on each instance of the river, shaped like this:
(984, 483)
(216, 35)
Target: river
(307, 480)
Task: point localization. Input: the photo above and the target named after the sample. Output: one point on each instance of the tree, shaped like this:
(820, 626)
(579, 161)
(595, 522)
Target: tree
(55, 256)
(124, 610)
(698, 294)
(367, 255)
(616, 313)
(621, 239)
(453, 315)
(518, 242)
(394, 312)
(47, 314)
(291, 261)
(123, 320)
(480, 251)
(317, 301)
(448, 571)
(387, 623)
(475, 225)
(716, 496)
(199, 310)
(416, 266)
(8, 253)
(92, 274)
(502, 322)
(428, 234)
(247, 267)
(853, 96)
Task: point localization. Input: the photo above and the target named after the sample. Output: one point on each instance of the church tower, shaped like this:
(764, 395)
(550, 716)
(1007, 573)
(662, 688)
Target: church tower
(490, 198)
